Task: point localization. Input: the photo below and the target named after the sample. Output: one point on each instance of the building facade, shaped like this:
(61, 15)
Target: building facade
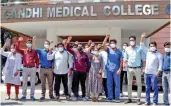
(86, 20)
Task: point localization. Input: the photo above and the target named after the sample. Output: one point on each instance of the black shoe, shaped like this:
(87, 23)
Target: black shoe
(42, 98)
(128, 101)
(52, 97)
(138, 102)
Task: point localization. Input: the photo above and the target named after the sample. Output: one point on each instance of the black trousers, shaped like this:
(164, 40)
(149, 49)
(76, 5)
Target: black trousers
(105, 86)
(79, 77)
(122, 77)
(58, 78)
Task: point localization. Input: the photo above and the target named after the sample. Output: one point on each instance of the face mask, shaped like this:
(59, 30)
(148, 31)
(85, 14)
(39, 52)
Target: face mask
(152, 49)
(167, 49)
(132, 43)
(79, 49)
(28, 45)
(61, 49)
(124, 47)
(75, 49)
(96, 53)
(46, 46)
(13, 50)
(112, 45)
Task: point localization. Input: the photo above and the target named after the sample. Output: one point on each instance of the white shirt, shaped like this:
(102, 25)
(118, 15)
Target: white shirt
(104, 56)
(61, 61)
(153, 62)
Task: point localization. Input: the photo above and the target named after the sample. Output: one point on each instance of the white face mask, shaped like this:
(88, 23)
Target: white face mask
(132, 43)
(13, 50)
(152, 49)
(124, 47)
(112, 45)
(28, 45)
(167, 49)
(96, 53)
(46, 46)
(60, 49)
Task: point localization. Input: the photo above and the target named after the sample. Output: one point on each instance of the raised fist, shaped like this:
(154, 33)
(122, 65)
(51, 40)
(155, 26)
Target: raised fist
(144, 35)
(107, 35)
(20, 39)
(34, 38)
(69, 38)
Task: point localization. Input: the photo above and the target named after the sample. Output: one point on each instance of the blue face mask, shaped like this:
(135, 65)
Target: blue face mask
(28, 45)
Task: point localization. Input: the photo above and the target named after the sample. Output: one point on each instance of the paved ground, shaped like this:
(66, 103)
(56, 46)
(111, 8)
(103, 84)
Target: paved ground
(62, 100)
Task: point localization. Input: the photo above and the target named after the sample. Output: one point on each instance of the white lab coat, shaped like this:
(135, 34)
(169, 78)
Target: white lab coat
(9, 74)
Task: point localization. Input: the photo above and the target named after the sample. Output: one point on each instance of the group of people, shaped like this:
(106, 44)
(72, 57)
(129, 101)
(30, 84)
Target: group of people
(97, 68)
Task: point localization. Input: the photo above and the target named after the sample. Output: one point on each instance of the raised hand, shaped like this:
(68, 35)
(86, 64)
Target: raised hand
(143, 35)
(76, 42)
(107, 36)
(51, 42)
(20, 39)
(92, 44)
(69, 39)
(34, 39)
(90, 41)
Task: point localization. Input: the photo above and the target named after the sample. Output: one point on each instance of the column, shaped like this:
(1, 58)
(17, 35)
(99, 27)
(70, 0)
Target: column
(51, 36)
(115, 33)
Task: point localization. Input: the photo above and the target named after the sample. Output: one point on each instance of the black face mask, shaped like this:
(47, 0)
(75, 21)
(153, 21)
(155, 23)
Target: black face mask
(79, 49)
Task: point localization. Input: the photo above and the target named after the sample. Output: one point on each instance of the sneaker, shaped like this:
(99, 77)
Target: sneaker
(84, 99)
(23, 98)
(128, 101)
(138, 102)
(147, 104)
(32, 98)
(109, 100)
(154, 104)
(7, 98)
(166, 104)
(117, 101)
(74, 98)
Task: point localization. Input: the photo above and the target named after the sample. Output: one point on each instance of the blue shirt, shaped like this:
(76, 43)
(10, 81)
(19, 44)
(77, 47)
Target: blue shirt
(114, 59)
(43, 58)
(135, 56)
(166, 62)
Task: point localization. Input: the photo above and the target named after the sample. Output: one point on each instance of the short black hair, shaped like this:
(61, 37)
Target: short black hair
(29, 40)
(47, 41)
(125, 43)
(60, 44)
(154, 43)
(132, 37)
(113, 40)
(166, 44)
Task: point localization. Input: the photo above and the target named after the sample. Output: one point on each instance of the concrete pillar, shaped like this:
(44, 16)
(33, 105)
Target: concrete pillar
(115, 33)
(51, 36)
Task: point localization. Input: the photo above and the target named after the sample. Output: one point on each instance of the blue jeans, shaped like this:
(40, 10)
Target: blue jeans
(113, 79)
(166, 83)
(151, 80)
